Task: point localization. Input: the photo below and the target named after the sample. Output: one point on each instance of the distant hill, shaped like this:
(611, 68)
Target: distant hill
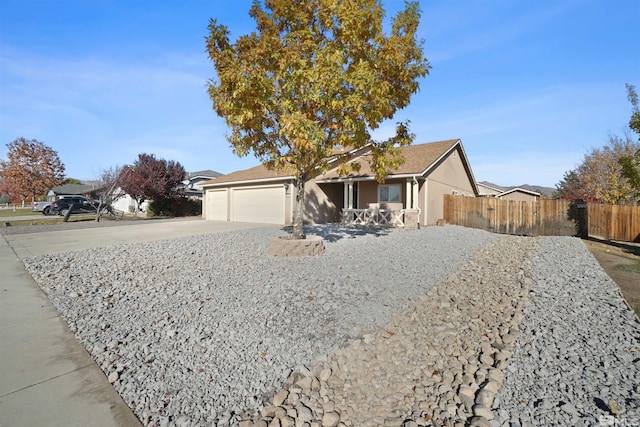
(545, 191)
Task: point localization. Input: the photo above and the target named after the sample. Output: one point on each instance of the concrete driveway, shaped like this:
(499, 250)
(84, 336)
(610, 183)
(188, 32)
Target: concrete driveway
(34, 244)
(46, 377)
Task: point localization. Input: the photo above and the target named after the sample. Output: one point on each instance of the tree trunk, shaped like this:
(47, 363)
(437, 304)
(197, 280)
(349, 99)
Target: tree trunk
(99, 211)
(298, 210)
(68, 213)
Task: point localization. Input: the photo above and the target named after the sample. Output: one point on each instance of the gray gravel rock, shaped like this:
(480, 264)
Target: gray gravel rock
(579, 345)
(440, 326)
(209, 327)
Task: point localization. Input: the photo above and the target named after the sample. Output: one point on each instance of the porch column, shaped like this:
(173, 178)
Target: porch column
(409, 195)
(425, 210)
(416, 195)
(348, 195)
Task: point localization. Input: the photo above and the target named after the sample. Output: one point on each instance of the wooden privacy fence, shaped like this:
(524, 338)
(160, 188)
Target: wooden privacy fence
(544, 217)
(612, 222)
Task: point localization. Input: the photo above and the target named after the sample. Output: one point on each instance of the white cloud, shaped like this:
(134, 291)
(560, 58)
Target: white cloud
(479, 27)
(97, 112)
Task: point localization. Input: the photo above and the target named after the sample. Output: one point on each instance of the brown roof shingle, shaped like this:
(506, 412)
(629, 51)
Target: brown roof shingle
(256, 173)
(418, 158)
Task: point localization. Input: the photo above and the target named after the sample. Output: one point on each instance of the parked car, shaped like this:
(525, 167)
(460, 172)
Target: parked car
(45, 207)
(78, 205)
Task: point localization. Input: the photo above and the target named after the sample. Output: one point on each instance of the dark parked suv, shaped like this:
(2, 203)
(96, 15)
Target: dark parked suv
(78, 205)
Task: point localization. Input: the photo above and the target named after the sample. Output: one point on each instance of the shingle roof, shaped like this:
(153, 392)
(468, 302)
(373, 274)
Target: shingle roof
(418, 158)
(207, 173)
(491, 186)
(256, 173)
(520, 190)
(74, 189)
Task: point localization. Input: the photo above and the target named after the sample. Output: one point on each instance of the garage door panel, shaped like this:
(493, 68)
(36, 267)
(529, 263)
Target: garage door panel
(263, 204)
(217, 205)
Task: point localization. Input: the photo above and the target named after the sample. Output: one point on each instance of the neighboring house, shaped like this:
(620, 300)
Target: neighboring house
(486, 190)
(519, 194)
(127, 204)
(262, 195)
(87, 190)
(515, 193)
(192, 185)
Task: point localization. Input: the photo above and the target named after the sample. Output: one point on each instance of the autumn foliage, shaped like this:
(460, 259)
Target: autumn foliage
(315, 76)
(30, 170)
(610, 174)
(152, 179)
(600, 176)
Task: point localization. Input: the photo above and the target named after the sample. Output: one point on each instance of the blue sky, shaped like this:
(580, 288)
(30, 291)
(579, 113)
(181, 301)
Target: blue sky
(530, 86)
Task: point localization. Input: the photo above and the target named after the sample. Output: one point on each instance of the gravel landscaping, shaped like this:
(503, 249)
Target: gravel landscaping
(211, 330)
(577, 361)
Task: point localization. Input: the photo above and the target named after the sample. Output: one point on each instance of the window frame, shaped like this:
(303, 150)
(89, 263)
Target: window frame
(389, 186)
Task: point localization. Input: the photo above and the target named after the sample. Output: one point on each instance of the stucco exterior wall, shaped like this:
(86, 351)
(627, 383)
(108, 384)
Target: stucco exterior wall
(422, 203)
(368, 192)
(448, 176)
(323, 203)
(127, 204)
(486, 191)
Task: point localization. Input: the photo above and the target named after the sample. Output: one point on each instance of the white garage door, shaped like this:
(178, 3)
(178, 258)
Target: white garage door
(217, 205)
(258, 204)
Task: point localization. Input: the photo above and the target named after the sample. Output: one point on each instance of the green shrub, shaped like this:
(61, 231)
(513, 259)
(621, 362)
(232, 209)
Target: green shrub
(175, 207)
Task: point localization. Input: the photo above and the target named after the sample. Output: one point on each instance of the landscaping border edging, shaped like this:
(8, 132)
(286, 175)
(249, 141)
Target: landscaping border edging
(286, 246)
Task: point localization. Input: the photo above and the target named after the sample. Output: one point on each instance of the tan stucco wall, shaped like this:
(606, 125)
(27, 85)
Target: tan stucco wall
(322, 203)
(422, 219)
(520, 197)
(368, 192)
(486, 191)
(448, 177)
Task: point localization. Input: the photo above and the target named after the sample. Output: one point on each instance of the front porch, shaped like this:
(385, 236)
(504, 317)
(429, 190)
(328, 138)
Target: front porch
(370, 204)
(407, 218)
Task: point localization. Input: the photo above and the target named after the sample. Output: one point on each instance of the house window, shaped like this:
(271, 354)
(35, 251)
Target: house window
(389, 193)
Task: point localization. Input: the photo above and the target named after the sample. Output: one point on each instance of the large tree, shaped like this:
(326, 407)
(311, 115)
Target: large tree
(316, 75)
(31, 169)
(9, 189)
(152, 179)
(109, 190)
(634, 121)
(631, 163)
(570, 187)
(600, 176)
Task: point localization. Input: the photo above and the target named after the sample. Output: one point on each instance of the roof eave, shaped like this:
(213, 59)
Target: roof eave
(367, 178)
(248, 181)
(523, 190)
(465, 163)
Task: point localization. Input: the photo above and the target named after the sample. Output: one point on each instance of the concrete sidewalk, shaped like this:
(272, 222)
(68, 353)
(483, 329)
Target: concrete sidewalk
(46, 377)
